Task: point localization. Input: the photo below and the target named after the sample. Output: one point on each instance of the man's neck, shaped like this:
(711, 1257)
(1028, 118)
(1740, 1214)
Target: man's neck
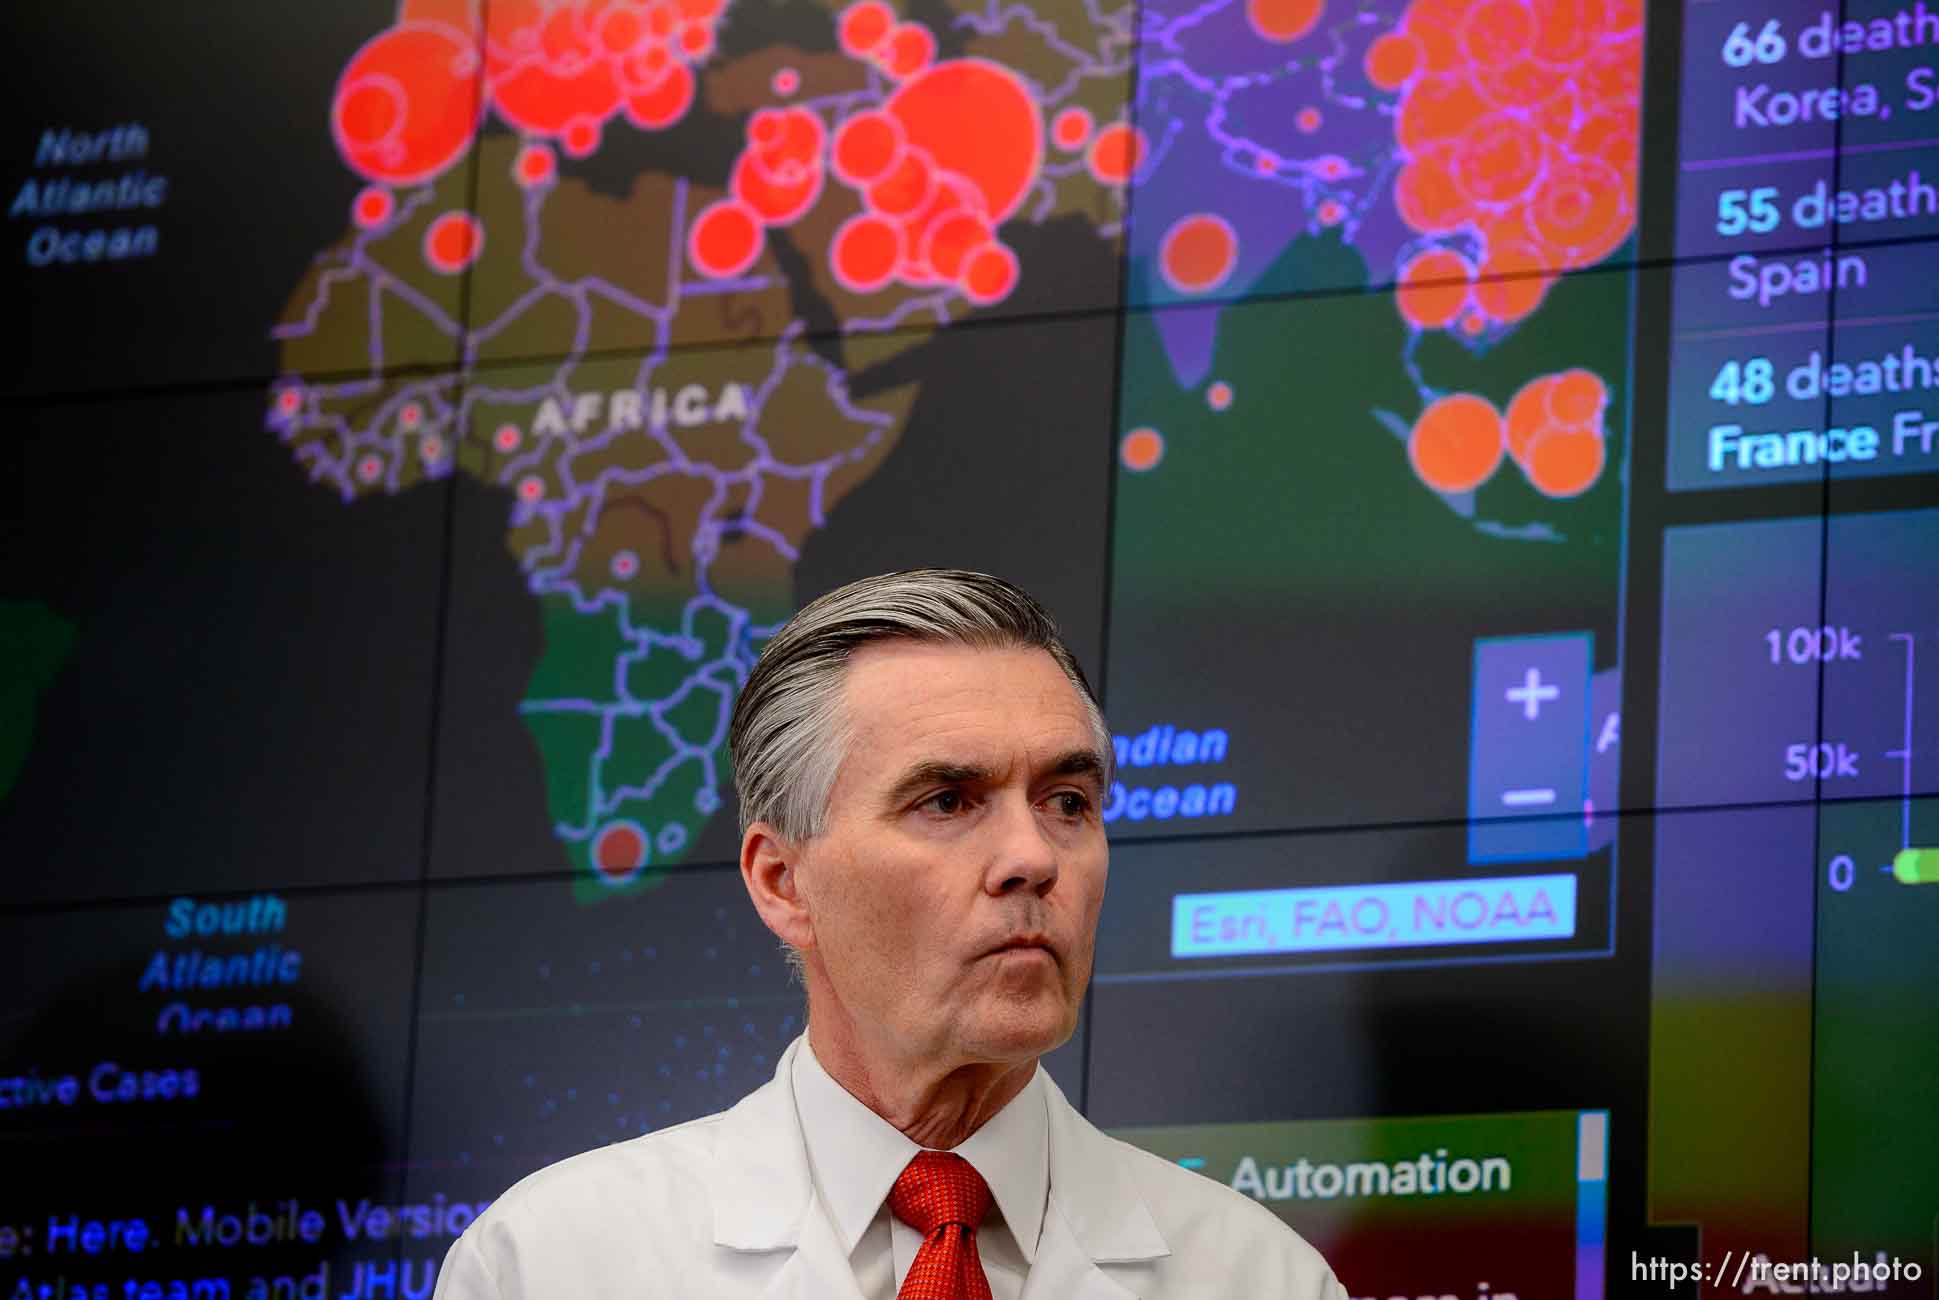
(935, 1108)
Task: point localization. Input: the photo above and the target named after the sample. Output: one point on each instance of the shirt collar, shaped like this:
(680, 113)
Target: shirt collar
(856, 1155)
(1012, 1152)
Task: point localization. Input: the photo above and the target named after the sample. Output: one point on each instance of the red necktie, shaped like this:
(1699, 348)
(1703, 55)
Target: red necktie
(942, 1196)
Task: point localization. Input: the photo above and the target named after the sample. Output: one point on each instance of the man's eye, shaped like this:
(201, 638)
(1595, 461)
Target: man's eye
(945, 801)
(1070, 803)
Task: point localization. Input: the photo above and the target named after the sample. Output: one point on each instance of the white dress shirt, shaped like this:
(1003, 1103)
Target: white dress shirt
(855, 1157)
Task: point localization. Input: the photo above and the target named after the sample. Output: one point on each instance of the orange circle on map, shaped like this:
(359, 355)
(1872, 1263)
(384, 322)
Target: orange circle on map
(1392, 59)
(1566, 462)
(1528, 416)
(1198, 253)
(1433, 288)
(1578, 397)
(1116, 152)
(1512, 282)
(1427, 197)
(1141, 449)
(1457, 443)
(1280, 21)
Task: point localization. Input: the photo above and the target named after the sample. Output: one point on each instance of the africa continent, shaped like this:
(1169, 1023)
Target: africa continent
(545, 287)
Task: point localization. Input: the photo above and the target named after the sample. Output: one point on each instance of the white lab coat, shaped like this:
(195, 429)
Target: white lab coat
(725, 1206)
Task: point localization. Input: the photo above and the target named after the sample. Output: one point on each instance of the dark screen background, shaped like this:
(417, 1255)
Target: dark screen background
(367, 840)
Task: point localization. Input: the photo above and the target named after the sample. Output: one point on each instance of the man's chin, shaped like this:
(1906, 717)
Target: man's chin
(1024, 1032)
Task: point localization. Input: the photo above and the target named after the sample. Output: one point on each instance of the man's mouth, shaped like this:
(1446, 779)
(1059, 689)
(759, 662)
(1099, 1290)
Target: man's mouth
(1027, 943)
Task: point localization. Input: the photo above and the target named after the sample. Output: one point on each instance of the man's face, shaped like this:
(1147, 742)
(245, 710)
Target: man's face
(954, 894)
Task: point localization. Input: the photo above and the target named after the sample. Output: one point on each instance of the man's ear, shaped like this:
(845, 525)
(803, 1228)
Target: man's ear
(769, 865)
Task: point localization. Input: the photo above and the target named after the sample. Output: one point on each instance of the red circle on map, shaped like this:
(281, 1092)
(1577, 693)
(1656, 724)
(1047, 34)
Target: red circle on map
(1198, 253)
(802, 137)
(866, 147)
(1116, 152)
(910, 48)
(726, 239)
(977, 119)
(642, 71)
(619, 851)
(696, 41)
(535, 165)
(989, 274)
(666, 103)
(373, 206)
(621, 30)
(407, 103)
(776, 197)
(453, 242)
(863, 26)
(865, 252)
(561, 39)
(506, 439)
(786, 81)
(906, 188)
(1071, 128)
(581, 137)
(531, 488)
(766, 127)
(952, 238)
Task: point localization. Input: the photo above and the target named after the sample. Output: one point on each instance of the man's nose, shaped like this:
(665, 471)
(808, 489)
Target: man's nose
(1024, 856)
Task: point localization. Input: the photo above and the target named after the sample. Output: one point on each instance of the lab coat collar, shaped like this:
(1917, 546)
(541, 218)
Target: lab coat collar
(1094, 1190)
(763, 1195)
(760, 1183)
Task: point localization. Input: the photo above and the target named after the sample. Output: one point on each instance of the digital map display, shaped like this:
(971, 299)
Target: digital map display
(1482, 451)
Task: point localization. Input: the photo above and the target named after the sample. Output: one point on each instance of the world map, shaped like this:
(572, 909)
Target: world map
(656, 375)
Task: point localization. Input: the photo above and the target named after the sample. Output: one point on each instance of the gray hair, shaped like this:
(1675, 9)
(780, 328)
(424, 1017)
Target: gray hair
(788, 736)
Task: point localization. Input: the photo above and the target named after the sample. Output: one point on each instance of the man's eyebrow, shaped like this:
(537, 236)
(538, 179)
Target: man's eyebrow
(934, 771)
(937, 772)
(1079, 762)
